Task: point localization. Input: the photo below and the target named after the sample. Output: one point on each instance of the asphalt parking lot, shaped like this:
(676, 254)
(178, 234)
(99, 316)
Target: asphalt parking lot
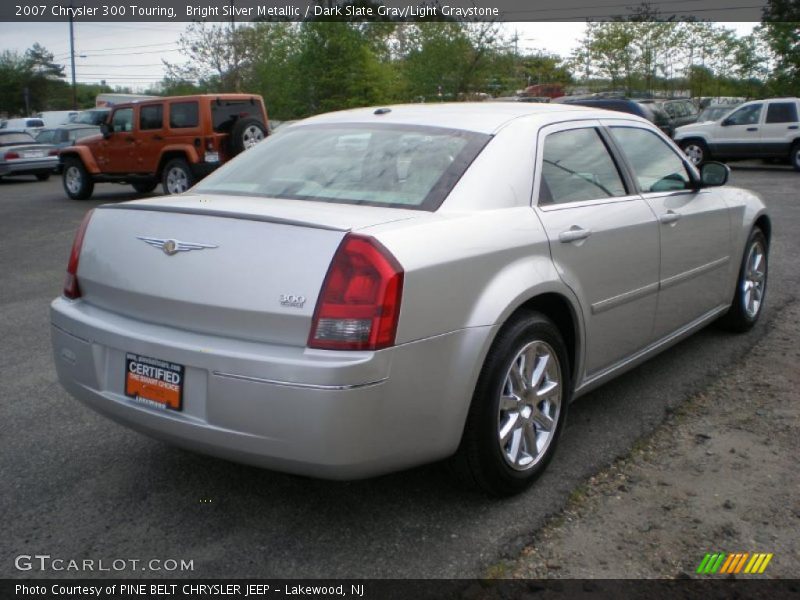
(80, 487)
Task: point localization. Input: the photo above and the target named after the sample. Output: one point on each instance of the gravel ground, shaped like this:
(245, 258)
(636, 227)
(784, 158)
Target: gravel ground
(720, 475)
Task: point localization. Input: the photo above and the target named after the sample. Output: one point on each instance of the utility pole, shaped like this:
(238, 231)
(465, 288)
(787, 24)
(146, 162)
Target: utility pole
(72, 58)
(236, 85)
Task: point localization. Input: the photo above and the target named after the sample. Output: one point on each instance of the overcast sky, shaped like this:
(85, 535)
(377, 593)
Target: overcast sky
(129, 54)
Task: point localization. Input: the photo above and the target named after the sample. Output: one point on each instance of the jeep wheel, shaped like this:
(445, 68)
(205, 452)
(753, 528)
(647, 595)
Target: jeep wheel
(245, 134)
(145, 187)
(76, 179)
(177, 177)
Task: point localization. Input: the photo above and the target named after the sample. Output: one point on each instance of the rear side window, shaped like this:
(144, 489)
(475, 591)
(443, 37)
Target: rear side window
(782, 112)
(34, 123)
(577, 166)
(226, 112)
(183, 115)
(656, 166)
(151, 117)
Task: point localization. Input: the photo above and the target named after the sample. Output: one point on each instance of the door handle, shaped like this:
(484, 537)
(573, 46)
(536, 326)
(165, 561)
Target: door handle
(670, 217)
(574, 234)
(792, 127)
(752, 129)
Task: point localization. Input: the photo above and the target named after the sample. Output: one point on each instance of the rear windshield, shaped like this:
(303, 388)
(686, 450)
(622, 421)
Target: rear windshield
(224, 113)
(376, 165)
(14, 139)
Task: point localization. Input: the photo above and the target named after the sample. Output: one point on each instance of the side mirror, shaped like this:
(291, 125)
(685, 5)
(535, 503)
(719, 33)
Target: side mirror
(106, 130)
(726, 122)
(714, 174)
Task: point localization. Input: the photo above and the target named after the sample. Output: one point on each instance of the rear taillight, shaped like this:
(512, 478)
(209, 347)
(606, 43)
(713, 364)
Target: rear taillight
(71, 287)
(359, 303)
(10, 155)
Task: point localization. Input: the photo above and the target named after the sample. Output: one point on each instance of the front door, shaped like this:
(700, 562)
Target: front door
(117, 152)
(694, 229)
(738, 135)
(603, 240)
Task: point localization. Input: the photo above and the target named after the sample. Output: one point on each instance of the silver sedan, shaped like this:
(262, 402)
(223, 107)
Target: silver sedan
(375, 289)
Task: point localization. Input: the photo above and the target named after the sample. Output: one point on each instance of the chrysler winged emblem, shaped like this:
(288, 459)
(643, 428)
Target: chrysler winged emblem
(170, 247)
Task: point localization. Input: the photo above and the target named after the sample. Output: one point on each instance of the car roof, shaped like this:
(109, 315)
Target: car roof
(481, 117)
(14, 131)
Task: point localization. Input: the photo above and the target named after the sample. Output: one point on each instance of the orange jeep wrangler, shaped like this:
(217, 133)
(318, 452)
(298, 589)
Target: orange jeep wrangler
(175, 141)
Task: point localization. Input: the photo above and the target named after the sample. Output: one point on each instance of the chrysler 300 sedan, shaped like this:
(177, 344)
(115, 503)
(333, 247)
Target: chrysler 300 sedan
(375, 289)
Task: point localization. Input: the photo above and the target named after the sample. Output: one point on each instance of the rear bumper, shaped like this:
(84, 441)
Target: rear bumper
(338, 415)
(29, 167)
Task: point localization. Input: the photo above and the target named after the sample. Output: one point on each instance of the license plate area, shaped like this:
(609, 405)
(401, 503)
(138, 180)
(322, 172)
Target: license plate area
(153, 382)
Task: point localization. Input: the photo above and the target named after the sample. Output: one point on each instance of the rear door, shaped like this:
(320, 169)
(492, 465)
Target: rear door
(780, 128)
(603, 239)
(694, 228)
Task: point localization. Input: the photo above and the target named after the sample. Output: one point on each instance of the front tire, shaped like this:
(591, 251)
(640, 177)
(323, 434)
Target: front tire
(696, 151)
(77, 182)
(177, 177)
(751, 286)
(518, 409)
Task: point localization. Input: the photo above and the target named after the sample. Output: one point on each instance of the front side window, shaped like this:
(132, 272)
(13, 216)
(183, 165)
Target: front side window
(576, 166)
(395, 166)
(747, 115)
(183, 115)
(656, 166)
(151, 117)
(122, 120)
(782, 112)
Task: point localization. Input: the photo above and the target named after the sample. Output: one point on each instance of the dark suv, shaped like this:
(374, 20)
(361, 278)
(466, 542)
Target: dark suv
(175, 141)
(647, 111)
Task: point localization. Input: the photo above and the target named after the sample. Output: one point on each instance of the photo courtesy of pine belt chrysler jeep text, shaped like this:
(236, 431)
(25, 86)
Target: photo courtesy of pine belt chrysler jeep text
(369, 290)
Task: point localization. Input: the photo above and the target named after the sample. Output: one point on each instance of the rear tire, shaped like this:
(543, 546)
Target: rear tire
(177, 177)
(751, 285)
(77, 181)
(696, 151)
(245, 134)
(794, 156)
(518, 408)
(144, 187)
(43, 176)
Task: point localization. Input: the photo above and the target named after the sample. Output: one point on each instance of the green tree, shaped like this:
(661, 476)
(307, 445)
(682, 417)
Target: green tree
(781, 30)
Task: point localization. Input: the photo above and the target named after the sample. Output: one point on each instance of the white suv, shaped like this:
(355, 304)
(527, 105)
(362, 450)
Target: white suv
(757, 129)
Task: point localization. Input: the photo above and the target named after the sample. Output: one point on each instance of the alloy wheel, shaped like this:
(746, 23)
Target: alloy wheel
(73, 179)
(177, 181)
(755, 278)
(529, 407)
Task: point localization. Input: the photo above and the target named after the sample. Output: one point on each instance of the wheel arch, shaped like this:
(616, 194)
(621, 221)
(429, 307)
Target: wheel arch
(83, 155)
(170, 153)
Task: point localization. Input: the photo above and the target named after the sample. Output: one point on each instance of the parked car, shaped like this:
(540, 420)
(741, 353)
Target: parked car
(21, 154)
(93, 116)
(54, 118)
(66, 135)
(758, 129)
(647, 111)
(30, 125)
(175, 141)
(379, 288)
(715, 112)
(681, 111)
